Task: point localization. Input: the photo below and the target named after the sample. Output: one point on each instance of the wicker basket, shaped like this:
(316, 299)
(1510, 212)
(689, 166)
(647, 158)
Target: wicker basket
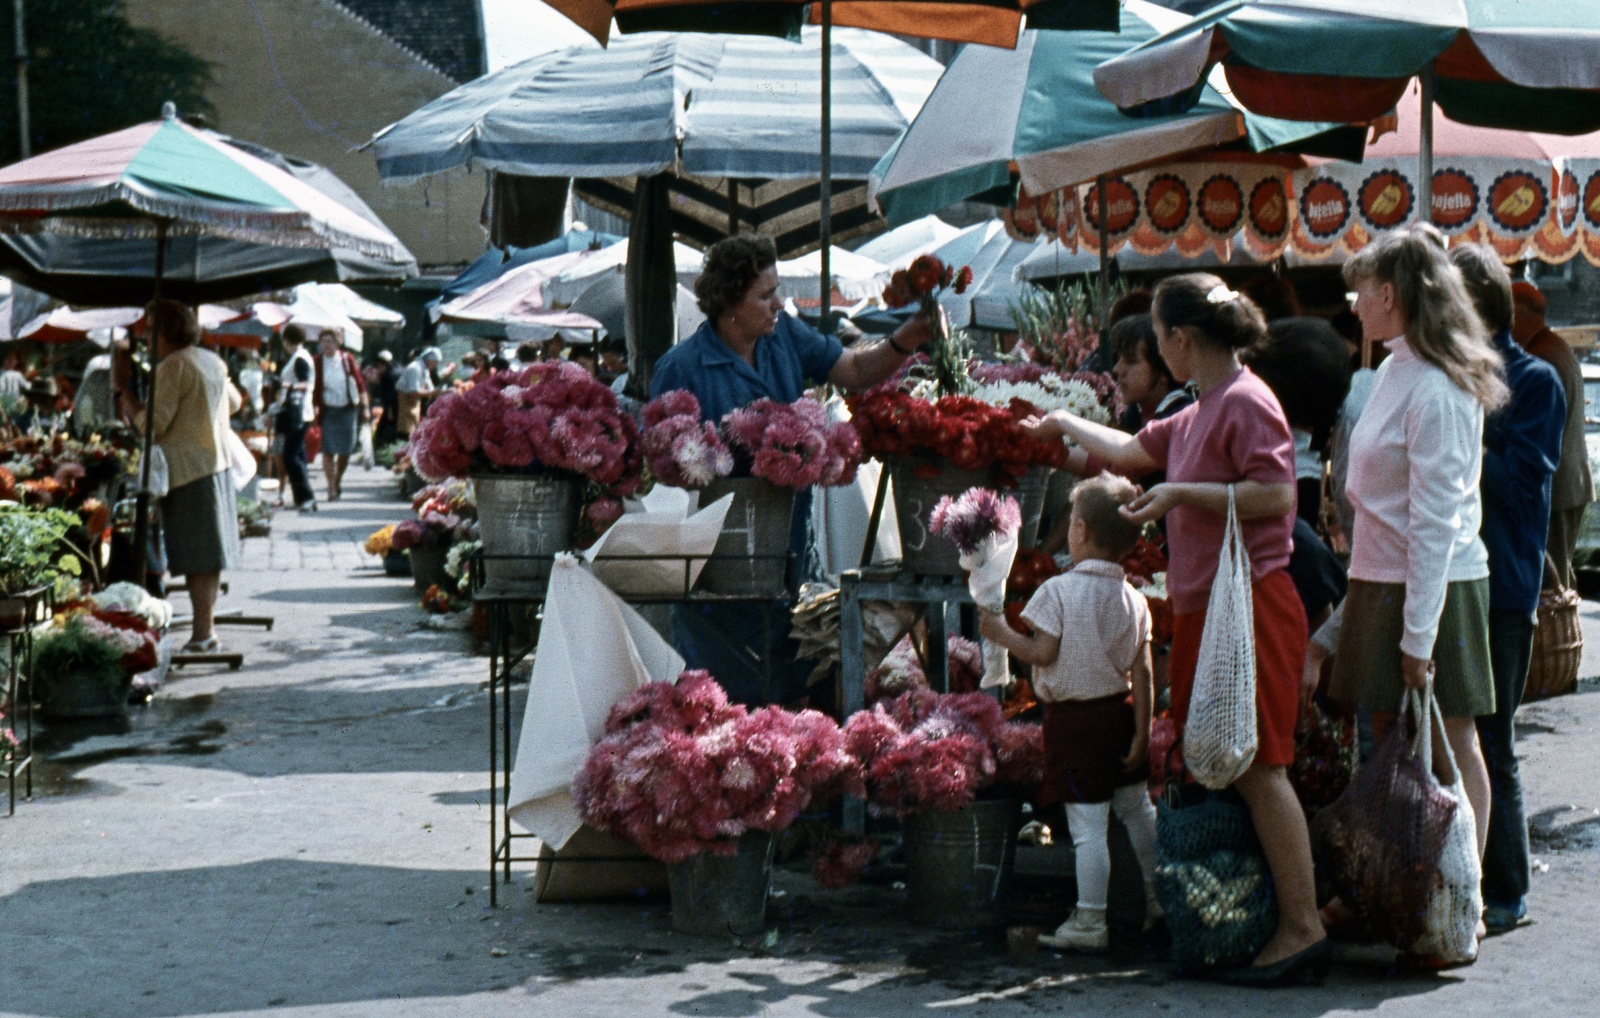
(1557, 642)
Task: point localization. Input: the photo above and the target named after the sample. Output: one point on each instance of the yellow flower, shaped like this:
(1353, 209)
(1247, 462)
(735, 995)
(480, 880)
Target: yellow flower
(378, 543)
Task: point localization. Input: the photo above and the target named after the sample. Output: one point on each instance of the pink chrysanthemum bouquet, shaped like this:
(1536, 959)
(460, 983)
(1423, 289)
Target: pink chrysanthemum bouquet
(681, 771)
(926, 750)
(552, 416)
(789, 444)
(983, 526)
(680, 449)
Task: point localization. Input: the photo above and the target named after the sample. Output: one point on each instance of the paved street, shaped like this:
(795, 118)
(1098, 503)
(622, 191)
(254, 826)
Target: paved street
(309, 836)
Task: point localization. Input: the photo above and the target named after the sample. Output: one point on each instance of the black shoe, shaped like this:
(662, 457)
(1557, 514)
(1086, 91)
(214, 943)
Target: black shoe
(1308, 967)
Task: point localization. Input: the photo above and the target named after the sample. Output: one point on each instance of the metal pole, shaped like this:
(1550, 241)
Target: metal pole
(826, 181)
(733, 207)
(20, 55)
(1425, 150)
(141, 518)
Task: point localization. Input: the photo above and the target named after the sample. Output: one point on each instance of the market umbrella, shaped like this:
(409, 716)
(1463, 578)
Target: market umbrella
(68, 325)
(1534, 64)
(514, 304)
(145, 184)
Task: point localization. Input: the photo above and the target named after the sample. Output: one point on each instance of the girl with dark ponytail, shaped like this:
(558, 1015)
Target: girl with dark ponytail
(1234, 435)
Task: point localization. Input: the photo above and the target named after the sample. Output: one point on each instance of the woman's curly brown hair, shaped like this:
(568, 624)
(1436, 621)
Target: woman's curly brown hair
(732, 266)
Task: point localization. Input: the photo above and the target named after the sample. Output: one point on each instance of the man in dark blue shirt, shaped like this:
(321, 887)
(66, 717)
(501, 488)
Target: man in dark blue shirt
(1521, 447)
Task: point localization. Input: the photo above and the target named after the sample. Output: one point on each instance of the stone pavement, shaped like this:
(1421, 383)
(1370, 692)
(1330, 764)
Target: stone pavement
(309, 836)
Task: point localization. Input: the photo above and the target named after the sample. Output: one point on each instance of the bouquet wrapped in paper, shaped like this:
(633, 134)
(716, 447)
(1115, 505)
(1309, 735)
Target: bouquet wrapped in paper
(983, 526)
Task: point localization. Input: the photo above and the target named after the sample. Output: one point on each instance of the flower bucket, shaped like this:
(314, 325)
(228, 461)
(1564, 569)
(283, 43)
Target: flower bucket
(715, 897)
(526, 517)
(396, 563)
(427, 568)
(959, 862)
(1031, 495)
(918, 486)
(83, 694)
(758, 524)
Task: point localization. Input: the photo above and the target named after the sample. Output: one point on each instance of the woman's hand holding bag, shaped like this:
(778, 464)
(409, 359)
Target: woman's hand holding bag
(1219, 738)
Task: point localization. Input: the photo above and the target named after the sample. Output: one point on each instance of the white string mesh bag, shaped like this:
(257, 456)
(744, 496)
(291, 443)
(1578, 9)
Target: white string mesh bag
(1219, 738)
(1456, 902)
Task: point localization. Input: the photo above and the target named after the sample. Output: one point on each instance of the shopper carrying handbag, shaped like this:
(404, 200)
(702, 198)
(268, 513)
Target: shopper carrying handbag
(341, 402)
(1233, 437)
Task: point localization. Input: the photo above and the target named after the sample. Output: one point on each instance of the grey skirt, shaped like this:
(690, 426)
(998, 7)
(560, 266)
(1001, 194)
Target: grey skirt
(1367, 668)
(200, 523)
(338, 430)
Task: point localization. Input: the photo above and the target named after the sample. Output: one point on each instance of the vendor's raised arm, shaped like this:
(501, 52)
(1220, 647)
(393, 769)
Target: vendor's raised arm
(867, 363)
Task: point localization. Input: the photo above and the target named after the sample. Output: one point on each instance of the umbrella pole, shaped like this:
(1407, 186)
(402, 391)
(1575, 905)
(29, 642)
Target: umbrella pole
(141, 516)
(1425, 149)
(1105, 259)
(825, 184)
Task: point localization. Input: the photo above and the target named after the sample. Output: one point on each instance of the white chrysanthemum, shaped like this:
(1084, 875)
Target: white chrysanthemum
(1049, 394)
(1156, 588)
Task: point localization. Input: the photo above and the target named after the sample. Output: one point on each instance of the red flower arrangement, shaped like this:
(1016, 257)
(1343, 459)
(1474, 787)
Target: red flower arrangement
(551, 416)
(681, 771)
(964, 431)
(925, 750)
(922, 280)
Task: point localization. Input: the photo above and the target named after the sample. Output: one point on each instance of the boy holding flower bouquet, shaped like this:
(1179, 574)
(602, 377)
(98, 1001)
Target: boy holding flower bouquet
(1090, 651)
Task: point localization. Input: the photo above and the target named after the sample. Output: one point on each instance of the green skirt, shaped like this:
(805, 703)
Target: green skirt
(1367, 668)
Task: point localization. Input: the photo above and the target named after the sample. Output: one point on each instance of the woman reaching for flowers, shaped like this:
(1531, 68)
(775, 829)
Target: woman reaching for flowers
(1234, 434)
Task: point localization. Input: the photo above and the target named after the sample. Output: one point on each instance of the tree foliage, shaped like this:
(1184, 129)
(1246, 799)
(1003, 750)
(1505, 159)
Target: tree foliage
(91, 72)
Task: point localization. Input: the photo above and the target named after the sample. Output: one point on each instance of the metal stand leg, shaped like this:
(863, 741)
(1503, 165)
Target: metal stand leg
(852, 678)
(497, 627)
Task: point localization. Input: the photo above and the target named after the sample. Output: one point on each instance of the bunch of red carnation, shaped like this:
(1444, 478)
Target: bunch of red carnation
(926, 750)
(1144, 561)
(966, 432)
(681, 771)
(922, 279)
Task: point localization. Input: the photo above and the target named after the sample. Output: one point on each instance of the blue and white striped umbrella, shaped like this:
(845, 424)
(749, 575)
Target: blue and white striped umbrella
(702, 105)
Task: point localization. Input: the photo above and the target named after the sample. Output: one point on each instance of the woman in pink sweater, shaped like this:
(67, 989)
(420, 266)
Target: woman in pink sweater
(1234, 434)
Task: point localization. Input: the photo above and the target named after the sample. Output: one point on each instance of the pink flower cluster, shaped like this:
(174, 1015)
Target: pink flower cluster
(842, 862)
(681, 771)
(550, 416)
(681, 450)
(430, 529)
(925, 750)
(792, 444)
(974, 517)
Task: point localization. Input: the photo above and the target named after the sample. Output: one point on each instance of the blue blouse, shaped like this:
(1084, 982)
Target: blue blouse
(787, 359)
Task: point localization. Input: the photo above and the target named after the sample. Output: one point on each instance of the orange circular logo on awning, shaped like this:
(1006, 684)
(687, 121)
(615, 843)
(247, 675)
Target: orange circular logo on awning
(1325, 208)
(1455, 199)
(1518, 201)
(1167, 203)
(1386, 199)
(1122, 206)
(1221, 204)
(1269, 208)
(1591, 200)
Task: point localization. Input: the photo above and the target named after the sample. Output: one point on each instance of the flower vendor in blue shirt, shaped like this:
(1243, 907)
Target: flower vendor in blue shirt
(749, 349)
(1521, 448)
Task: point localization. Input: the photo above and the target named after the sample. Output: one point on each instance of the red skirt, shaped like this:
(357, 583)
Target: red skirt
(1281, 640)
(1084, 743)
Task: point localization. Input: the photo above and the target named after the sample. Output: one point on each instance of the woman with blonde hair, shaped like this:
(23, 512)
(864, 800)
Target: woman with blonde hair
(1418, 605)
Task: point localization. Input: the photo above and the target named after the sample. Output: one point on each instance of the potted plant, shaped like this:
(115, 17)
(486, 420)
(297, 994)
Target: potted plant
(445, 515)
(85, 661)
(533, 442)
(702, 785)
(951, 767)
(381, 544)
(38, 561)
(761, 454)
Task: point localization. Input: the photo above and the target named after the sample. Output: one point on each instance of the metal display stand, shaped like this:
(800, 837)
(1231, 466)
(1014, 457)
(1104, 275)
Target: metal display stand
(503, 658)
(37, 610)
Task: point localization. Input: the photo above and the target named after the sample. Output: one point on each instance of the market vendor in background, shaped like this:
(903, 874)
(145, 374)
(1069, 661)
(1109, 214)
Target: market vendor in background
(749, 349)
(413, 389)
(194, 401)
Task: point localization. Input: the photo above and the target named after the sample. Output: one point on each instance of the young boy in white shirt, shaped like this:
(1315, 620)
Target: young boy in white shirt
(1090, 653)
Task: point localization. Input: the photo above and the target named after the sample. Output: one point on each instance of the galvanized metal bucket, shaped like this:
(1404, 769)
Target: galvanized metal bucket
(751, 555)
(1030, 496)
(83, 693)
(918, 486)
(716, 896)
(959, 862)
(525, 517)
(427, 568)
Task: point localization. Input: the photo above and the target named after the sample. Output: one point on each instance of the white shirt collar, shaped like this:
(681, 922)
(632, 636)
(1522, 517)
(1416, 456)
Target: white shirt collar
(1099, 567)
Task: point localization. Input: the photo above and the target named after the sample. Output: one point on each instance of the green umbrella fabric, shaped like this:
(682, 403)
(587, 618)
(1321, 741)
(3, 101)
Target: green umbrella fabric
(1528, 65)
(1035, 108)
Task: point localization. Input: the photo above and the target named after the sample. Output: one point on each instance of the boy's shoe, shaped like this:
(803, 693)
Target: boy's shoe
(1084, 931)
